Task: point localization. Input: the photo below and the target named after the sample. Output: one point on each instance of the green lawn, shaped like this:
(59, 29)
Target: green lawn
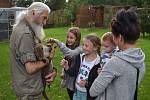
(55, 92)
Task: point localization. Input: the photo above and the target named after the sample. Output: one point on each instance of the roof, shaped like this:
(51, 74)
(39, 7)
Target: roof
(13, 9)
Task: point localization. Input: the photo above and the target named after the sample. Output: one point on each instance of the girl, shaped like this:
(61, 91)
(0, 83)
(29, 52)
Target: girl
(121, 75)
(84, 67)
(72, 42)
(66, 49)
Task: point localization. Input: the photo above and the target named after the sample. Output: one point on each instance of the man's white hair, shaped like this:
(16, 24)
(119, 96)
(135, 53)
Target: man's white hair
(37, 6)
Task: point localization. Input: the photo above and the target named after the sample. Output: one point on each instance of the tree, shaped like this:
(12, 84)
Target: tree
(23, 3)
(72, 7)
(53, 4)
(138, 3)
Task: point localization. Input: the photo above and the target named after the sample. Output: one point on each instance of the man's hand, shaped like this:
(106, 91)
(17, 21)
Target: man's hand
(50, 77)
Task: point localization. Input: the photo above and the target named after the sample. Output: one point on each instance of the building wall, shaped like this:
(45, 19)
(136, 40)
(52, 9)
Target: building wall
(6, 4)
(107, 15)
(90, 16)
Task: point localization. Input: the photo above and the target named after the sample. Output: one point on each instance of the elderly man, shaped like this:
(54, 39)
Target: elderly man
(25, 66)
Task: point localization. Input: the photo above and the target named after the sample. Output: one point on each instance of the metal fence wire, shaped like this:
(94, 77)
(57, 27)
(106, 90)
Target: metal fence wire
(7, 18)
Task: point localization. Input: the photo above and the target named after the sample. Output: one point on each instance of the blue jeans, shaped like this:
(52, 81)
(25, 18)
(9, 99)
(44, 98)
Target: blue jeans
(78, 95)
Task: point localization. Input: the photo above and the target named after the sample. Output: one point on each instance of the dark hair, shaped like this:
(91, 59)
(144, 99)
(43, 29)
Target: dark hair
(95, 40)
(77, 34)
(127, 25)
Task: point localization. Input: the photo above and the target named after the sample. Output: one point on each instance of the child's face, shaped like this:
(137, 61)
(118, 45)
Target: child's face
(71, 39)
(107, 46)
(88, 47)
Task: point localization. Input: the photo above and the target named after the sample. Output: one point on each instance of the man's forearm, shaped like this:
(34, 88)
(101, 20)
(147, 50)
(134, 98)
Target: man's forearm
(33, 67)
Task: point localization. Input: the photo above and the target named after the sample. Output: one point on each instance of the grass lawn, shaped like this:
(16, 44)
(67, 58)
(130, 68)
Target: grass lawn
(55, 92)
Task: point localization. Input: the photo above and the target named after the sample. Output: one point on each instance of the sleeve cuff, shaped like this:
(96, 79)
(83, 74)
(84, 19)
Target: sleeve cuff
(28, 57)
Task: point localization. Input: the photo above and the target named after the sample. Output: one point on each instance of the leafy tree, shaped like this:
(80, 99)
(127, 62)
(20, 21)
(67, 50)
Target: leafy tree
(23, 3)
(138, 3)
(53, 4)
(56, 4)
(72, 8)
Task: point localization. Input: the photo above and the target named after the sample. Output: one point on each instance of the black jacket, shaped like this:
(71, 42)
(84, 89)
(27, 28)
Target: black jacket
(74, 70)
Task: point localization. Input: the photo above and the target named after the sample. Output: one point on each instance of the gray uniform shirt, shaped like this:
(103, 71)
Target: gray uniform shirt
(21, 52)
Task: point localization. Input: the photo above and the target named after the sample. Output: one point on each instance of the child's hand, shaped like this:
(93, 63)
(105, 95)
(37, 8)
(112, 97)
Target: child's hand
(64, 64)
(62, 76)
(52, 40)
(82, 83)
(99, 70)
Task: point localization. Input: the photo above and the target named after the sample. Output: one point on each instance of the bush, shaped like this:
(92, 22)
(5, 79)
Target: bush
(145, 20)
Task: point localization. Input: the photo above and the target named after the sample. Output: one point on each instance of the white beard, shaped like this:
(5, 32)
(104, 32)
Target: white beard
(39, 31)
